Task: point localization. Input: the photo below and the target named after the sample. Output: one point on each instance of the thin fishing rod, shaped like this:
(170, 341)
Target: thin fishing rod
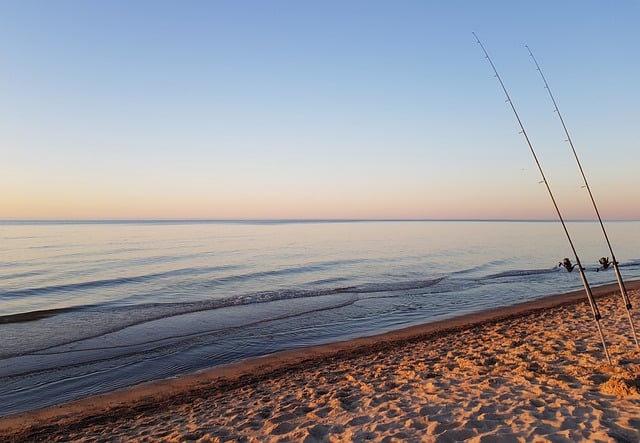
(587, 289)
(623, 289)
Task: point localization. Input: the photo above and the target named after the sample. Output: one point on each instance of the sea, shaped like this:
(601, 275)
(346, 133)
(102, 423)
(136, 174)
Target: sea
(88, 307)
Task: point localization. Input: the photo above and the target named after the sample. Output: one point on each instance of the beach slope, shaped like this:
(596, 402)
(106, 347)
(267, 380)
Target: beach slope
(531, 372)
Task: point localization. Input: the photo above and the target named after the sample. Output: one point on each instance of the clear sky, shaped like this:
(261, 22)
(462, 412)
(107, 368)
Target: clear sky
(315, 109)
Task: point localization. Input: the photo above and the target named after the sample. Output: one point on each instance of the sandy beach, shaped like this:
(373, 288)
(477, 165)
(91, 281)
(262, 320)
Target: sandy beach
(531, 372)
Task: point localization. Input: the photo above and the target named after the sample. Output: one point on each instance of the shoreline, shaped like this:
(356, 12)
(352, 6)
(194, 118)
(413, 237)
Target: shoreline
(156, 397)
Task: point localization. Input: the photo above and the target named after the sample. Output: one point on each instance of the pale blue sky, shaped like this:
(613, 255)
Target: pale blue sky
(327, 109)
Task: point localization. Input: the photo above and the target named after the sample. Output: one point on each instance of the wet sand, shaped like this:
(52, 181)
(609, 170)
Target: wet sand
(531, 372)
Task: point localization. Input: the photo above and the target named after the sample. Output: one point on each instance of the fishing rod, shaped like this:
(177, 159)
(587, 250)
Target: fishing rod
(587, 289)
(623, 290)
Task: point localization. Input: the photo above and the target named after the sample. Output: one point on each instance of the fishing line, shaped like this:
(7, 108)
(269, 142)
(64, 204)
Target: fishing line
(623, 290)
(587, 289)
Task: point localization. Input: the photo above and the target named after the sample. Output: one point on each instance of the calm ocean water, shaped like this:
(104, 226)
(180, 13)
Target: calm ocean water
(89, 307)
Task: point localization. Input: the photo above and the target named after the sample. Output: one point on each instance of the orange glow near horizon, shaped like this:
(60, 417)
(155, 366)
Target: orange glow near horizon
(140, 204)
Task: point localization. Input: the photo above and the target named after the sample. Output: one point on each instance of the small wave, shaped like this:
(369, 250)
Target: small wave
(75, 286)
(394, 286)
(520, 273)
(286, 271)
(23, 275)
(629, 263)
(33, 315)
(478, 268)
(326, 281)
(106, 282)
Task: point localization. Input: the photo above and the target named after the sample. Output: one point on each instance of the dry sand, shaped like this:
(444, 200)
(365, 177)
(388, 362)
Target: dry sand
(534, 372)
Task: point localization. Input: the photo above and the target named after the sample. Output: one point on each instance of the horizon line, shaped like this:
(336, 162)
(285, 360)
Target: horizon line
(293, 220)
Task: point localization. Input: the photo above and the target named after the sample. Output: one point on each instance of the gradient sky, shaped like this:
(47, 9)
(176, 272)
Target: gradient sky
(315, 109)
